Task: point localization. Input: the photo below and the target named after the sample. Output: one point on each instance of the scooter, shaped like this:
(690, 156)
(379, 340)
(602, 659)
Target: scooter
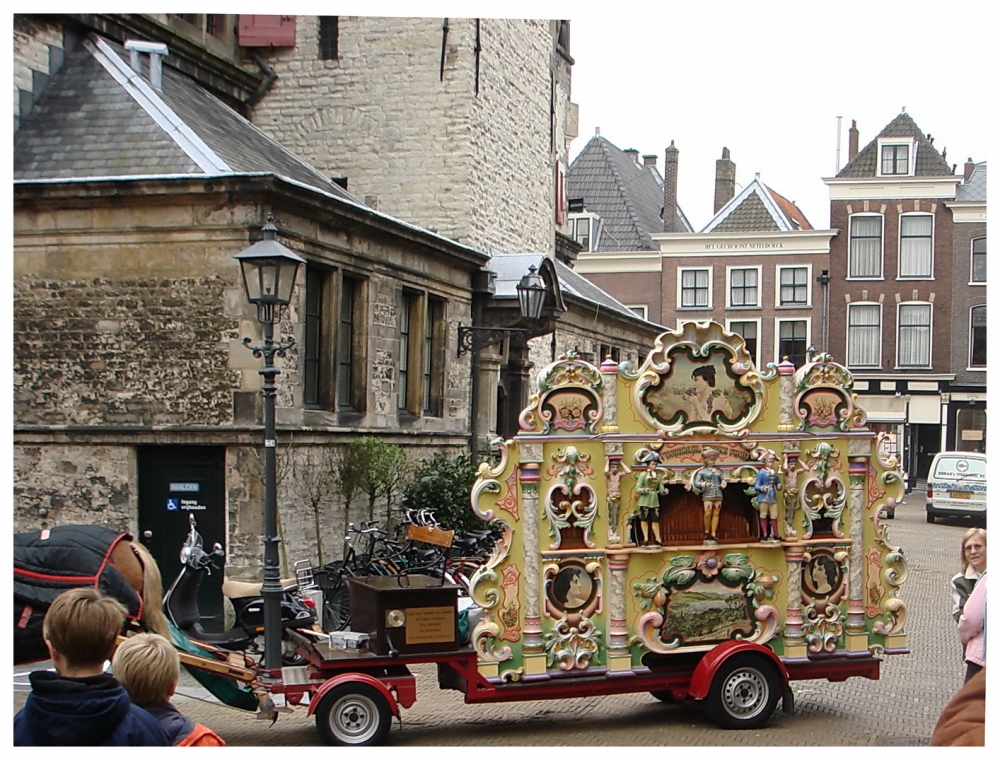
(247, 634)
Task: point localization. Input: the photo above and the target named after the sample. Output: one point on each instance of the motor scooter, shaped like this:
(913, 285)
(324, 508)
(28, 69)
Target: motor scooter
(180, 604)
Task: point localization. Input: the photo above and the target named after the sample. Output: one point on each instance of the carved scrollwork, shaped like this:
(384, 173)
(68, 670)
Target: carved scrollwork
(569, 398)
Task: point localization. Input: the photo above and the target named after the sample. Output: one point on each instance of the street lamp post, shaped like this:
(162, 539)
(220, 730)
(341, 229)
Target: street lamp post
(269, 270)
(474, 338)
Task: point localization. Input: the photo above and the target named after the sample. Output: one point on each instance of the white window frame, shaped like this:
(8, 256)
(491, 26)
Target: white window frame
(680, 287)
(729, 287)
(899, 248)
(881, 253)
(640, 309)
(847, 338)
(909, 142)
(930, 335)
(594, 221)
(777, 286)
(972, 261)
(760, 337)
(975, 367)
(778, 321)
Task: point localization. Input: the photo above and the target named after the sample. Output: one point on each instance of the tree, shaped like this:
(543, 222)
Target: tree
(443, 485)
(314, 481)
(384, 468)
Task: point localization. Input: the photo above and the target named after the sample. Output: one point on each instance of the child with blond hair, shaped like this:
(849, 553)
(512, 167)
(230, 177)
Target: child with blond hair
(79, 704)
(148, 666)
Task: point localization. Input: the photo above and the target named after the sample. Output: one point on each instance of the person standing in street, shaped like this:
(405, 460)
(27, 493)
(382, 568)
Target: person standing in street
(973, 565)
(972, 629)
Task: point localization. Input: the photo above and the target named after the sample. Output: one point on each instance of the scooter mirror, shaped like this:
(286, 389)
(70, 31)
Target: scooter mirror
(217, 548)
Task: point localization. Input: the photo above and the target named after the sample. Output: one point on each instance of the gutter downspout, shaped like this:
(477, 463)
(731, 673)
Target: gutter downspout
(266, 85)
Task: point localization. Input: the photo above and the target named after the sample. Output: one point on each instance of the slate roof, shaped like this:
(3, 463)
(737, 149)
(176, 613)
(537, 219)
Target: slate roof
(975, 188)
(98, 118)
(510, 267)
(757, 208)
(929, 161)
(627, 196)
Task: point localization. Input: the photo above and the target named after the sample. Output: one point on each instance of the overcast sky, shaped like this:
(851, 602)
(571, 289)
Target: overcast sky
(766, 79)
(769, 79)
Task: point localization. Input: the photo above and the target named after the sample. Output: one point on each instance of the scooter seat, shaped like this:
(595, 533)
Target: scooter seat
(242, 589)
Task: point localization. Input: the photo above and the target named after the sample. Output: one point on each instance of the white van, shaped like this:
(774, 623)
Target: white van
(956, 485)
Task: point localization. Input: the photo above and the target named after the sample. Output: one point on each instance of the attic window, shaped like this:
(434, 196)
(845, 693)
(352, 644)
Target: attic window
(583, 229)
(576, 205)
(896, 157)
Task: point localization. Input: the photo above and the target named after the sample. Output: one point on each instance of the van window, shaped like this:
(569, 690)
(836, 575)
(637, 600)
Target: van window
(957, 467)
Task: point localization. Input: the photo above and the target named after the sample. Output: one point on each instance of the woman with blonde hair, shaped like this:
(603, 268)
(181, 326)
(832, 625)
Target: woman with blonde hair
(973, 564)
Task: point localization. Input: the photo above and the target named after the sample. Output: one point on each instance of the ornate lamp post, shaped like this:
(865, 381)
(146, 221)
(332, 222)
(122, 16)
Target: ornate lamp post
(269, 271)
(473, 339)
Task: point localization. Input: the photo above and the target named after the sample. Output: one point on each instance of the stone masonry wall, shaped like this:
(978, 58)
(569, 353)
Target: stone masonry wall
(38, 53)
(477, 169)
(121, 351)
(65, 483)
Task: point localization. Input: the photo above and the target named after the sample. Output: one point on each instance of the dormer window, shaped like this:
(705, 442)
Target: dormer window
(583, 229)
(896, 157)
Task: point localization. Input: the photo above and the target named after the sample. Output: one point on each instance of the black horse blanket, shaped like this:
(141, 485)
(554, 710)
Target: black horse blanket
(49, 562)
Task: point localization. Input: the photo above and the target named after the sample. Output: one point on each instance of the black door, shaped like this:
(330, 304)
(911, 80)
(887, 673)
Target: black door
(175, 482)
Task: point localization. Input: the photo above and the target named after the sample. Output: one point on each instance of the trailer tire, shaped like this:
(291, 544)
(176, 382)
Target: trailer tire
(664, 695)
(354, 715)
(744, 692)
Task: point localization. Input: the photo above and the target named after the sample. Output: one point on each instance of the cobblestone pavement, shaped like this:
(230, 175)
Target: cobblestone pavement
(900, 709)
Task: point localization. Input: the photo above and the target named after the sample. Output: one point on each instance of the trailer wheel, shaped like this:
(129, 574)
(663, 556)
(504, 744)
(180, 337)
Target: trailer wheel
(744, 692)
(354, 714)
(664, 695)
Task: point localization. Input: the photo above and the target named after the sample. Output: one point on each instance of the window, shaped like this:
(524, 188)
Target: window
(895, 159)
(977, 337)
(407, 316)
(865, 258)
(979, 260)
(914, 343)
(793, 339)
(329, 32)
(743, 287)
(640, 309)
(916, 245)
(864, 335)
(316, 380)
(793, 286)
(748, 330)
(421, 341)
(349, 347)
(694, 287)
(580, 230)
(613, 351)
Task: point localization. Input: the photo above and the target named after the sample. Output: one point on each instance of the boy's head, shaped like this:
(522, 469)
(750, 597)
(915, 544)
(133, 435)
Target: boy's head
(81, 626)
(148, 666)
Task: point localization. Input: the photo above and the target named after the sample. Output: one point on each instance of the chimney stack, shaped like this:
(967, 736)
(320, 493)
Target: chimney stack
(670, 190)
(969, 168)
(725, 180)
(632, 153)
(649, 160)
(156, 51)
(852, 141)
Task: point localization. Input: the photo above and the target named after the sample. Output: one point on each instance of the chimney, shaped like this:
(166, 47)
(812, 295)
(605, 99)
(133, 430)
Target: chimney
(649, 160)
(969, 168)
(725, 180)
(156, 51)
(852, 141)
(670, 190)
(632, 153)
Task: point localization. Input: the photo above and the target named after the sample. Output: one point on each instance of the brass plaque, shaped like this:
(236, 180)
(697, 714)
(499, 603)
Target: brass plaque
(430, 625)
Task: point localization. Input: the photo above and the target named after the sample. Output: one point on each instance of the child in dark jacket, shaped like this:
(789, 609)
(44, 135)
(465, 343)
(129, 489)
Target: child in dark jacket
(148, 666)
(80, 704)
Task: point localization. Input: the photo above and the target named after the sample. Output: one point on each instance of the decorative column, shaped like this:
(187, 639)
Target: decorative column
(609, 375)
(794, 637)
(619, 656)
(855, 632)
(786, 412)
(533, 648)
